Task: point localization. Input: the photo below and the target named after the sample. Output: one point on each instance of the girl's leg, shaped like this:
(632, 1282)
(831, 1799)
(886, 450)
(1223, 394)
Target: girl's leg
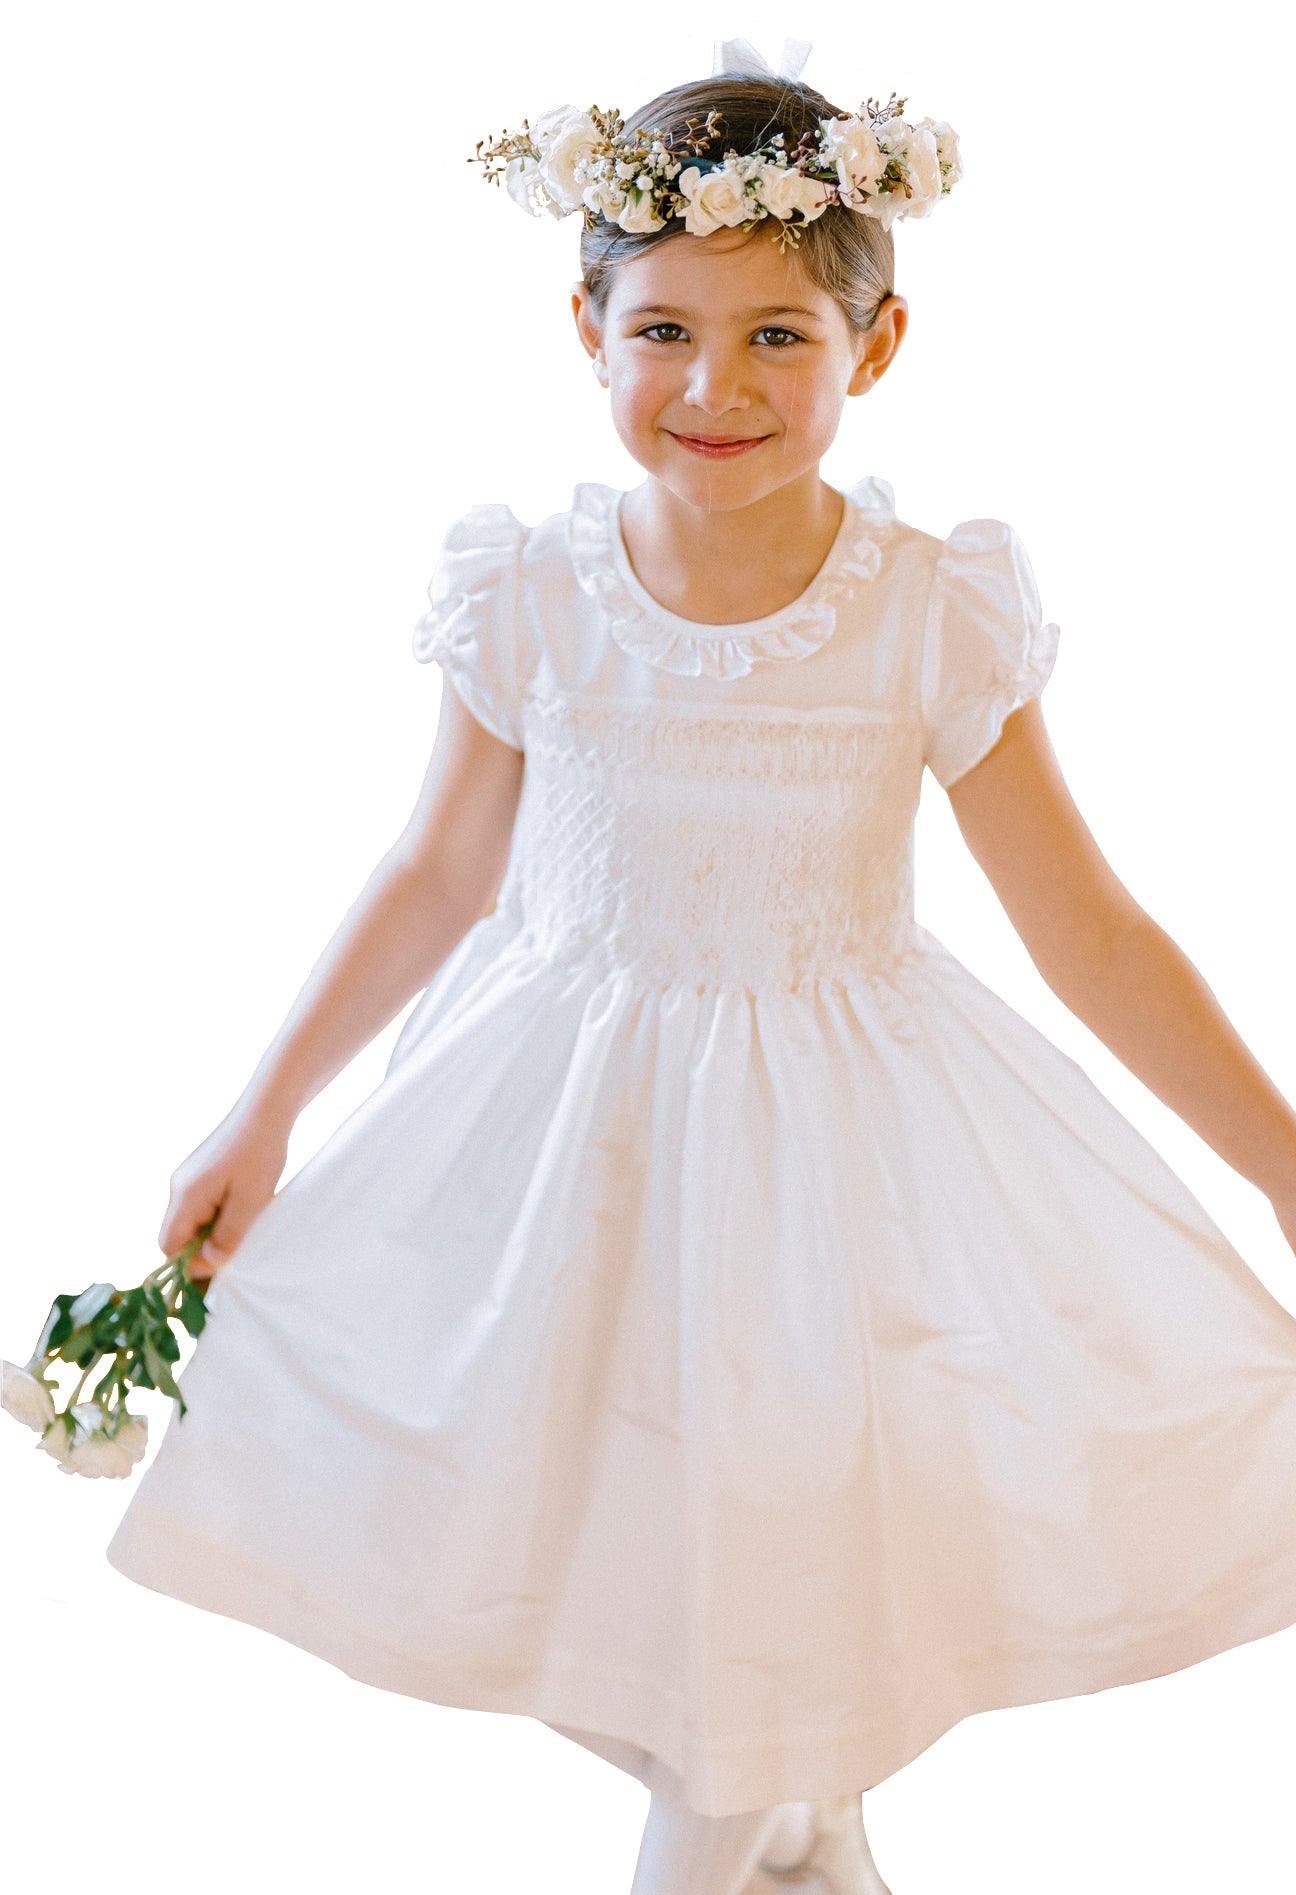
(686, 1853)
(787, 1839)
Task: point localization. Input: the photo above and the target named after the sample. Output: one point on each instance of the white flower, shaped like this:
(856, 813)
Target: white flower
(784, 189)
(525, 186)
(947, 150)
(25, 1396)
(916, 149)
(132, 1434)
(715, 199)
(852, 145)
(566, 138)
(608, 198)
(93, 1450)
(885, 207)
(55, 1439)
(638, 213)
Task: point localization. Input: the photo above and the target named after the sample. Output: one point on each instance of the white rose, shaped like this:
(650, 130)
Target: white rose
(524, 185)
(55, 1439)
(638, 213)
(784, 190)
(24, 1396)
(886, 206)
(917, 152)
(98, 1457)
(567, 139)
(715, 199)
(92, 1452)
(132, 1434)
(947, 150)
(608, 198)
(850, 144)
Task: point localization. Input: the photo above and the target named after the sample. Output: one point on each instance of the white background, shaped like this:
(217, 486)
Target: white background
(264, 334)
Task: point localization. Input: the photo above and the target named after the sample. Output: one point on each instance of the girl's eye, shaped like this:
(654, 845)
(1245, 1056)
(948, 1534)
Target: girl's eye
(769, 330)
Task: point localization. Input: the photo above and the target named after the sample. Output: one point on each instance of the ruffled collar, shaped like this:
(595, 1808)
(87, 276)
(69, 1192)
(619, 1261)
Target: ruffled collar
(645, 629)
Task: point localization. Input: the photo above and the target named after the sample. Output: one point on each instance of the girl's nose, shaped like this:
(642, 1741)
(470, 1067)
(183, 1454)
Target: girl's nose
(716, 384)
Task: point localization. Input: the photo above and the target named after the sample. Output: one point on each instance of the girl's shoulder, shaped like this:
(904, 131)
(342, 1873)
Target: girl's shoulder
(502, 608)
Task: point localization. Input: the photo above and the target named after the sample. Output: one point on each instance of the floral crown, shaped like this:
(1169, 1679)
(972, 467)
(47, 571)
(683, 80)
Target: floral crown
(875, 163)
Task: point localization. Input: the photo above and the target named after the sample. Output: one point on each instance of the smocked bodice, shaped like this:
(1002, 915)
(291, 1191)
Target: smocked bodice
(729, 805)
(747, 847)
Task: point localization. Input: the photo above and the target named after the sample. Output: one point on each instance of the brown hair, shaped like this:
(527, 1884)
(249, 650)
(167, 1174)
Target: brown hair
(843, 252)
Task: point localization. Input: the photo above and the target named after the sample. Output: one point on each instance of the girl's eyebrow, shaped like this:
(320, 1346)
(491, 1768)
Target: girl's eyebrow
(773, 309)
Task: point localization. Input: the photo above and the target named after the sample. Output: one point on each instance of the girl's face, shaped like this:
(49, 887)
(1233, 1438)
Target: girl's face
(725, 336)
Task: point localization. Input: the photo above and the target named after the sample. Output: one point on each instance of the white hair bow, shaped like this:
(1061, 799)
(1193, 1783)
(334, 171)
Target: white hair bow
(739, 55)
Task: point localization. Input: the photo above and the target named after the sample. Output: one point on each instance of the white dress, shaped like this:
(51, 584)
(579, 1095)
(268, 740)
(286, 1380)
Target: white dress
(729, 1329)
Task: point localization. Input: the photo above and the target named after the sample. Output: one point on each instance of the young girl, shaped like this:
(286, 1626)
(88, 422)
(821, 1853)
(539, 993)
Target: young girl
(730, 1333)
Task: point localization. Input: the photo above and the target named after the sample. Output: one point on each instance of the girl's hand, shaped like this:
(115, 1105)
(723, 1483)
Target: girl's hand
(234, 1172)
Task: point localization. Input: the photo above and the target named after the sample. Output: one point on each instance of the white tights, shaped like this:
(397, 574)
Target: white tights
(683, 1852)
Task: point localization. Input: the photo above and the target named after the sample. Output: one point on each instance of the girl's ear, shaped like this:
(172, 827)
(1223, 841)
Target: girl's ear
(588, 329)
(880, 344)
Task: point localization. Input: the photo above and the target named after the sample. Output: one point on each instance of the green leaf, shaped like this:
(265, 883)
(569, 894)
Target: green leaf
(80, 1347)
(192, 1309)
(58, 1324)
(137, 1369)
(166, 1344)
(159, 1370)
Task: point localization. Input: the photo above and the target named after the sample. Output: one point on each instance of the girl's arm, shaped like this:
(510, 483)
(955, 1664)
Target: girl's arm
(438, 878)
(1112, 965)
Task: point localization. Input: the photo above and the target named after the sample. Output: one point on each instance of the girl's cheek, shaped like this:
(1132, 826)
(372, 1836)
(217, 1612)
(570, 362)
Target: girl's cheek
(638, 397)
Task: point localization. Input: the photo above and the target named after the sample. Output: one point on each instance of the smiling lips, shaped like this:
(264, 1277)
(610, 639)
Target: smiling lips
(720, 446)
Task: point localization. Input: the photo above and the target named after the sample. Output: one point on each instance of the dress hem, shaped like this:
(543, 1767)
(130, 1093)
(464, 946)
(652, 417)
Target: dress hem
(153, 1551)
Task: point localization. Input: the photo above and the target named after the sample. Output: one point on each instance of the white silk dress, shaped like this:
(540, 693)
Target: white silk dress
(729, 1330)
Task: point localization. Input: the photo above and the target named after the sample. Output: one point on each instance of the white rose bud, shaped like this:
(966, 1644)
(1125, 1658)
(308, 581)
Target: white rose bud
(716, 199)
(639, 214)
(851, 145)
(607, 198)
(785, 190)
(25, 1397)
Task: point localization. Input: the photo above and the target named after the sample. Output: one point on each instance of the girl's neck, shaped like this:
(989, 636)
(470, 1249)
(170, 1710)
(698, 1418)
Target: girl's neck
(725, 568)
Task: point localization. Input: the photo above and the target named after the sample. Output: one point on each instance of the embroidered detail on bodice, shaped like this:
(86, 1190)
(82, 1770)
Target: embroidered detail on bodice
(749, 847)
(645, 629)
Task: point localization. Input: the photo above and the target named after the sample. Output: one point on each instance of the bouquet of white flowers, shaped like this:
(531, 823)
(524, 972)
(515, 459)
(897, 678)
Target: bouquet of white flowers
(100, 1436)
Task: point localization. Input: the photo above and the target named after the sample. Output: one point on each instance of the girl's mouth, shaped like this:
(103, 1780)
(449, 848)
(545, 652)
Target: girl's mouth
(721, 449)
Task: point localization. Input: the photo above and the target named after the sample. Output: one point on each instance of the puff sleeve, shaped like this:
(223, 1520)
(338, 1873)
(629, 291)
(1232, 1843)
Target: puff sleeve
(471, 625)
(987, 648)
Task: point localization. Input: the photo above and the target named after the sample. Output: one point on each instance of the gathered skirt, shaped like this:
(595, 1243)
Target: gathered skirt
(763, 1379)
